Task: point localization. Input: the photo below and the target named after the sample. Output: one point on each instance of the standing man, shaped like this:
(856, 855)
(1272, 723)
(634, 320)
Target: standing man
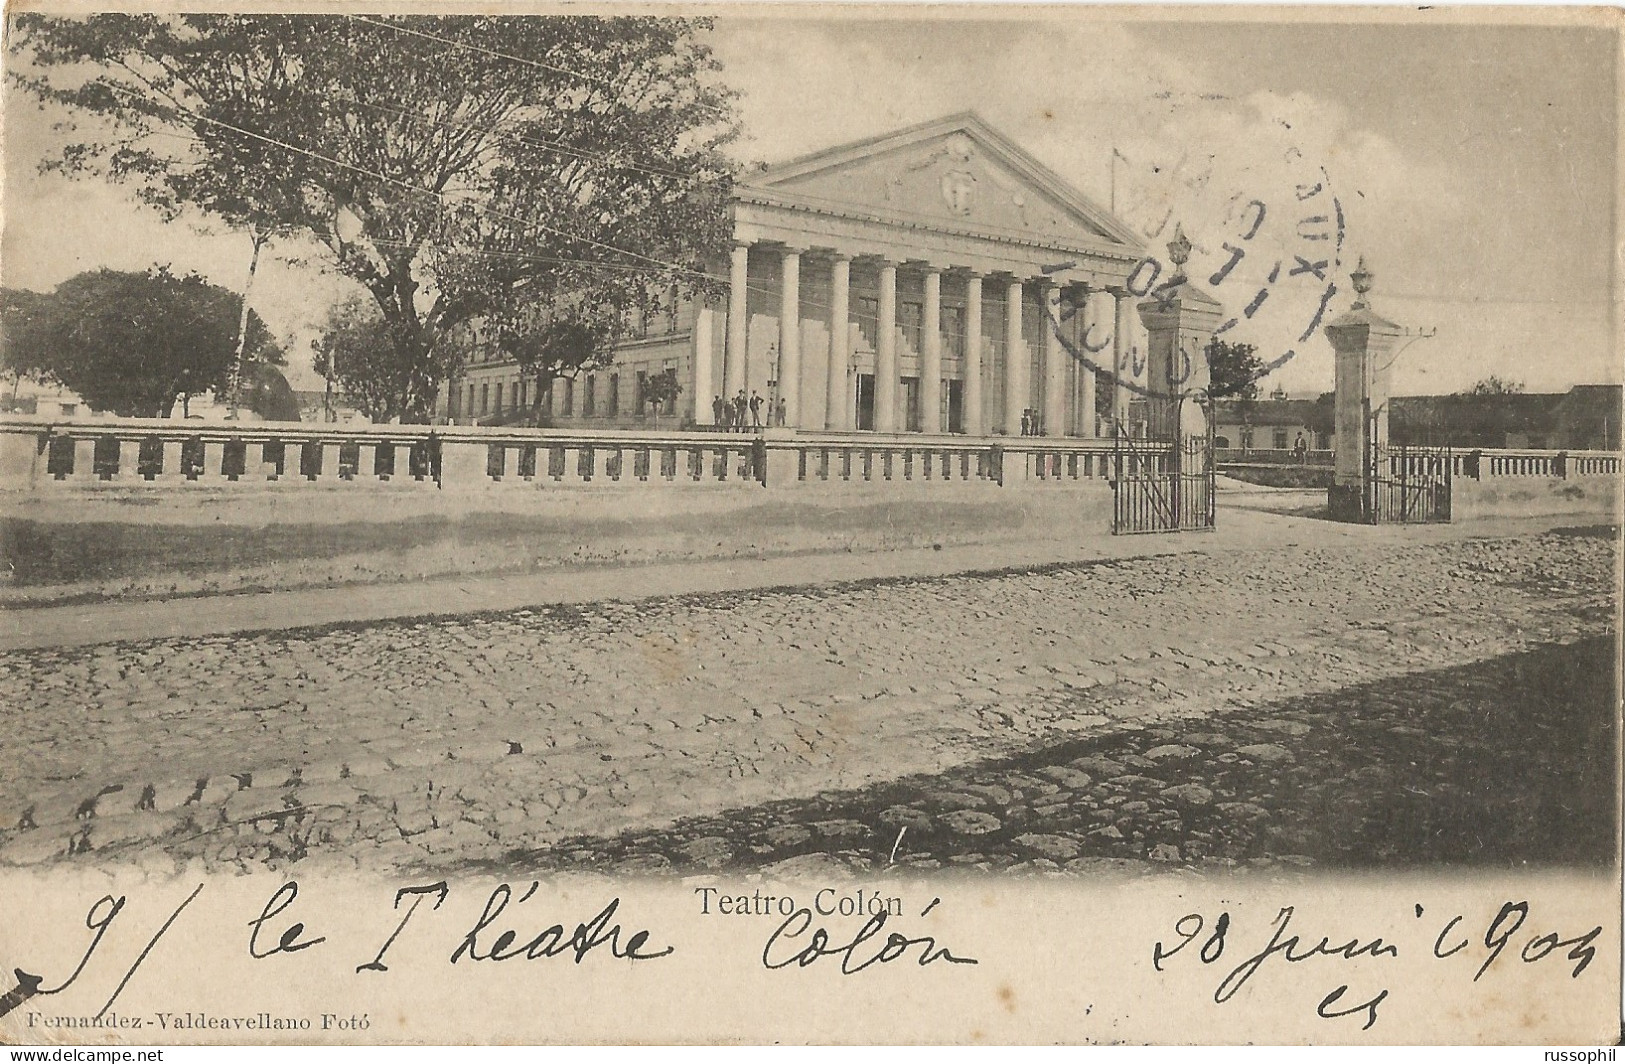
(755, 410)
(718, 412)
(739, 410)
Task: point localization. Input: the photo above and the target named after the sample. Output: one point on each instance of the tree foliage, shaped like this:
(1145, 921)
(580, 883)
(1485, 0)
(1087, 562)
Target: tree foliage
(1495, 386)
(131, 343)
(660, 389)
(23, 348)
(267, 393)
(357, 352)
(1323, 415)
(558, 341)
(1235, 369)
(510, 169)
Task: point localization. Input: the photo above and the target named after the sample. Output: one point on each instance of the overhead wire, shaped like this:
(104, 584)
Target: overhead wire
(675, 268)
(536, 63)
(438, 194)
(563, 149)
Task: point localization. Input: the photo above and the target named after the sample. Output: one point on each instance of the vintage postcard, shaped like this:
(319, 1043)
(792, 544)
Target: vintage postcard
(809, 524)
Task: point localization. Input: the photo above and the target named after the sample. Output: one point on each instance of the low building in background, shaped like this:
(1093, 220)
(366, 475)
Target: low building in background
(318, 407)
(57, 401)
(265, 396)
(1585, 418)
(1273, 424)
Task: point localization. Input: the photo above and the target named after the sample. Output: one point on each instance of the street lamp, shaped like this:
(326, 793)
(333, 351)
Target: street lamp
(772, 383)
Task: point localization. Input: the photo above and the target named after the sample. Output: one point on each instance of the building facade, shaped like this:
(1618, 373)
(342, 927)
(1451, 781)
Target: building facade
(922, 281)
(1273, 424)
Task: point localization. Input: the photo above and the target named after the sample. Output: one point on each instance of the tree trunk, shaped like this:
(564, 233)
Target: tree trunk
(234, 381)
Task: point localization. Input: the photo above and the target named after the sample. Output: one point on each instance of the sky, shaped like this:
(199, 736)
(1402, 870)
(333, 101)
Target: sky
(1474, 167)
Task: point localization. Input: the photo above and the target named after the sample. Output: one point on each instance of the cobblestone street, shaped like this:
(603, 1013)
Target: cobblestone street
(1432, 768)
(1370, 705)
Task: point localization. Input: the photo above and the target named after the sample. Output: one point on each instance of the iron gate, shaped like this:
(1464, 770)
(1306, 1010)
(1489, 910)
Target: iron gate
(1167, 491)
(1407, 485)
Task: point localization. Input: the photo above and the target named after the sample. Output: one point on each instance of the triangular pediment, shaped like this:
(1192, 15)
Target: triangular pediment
(957, 171)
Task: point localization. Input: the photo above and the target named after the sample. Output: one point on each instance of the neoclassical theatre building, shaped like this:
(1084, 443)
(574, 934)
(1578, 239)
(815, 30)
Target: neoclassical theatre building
(902, 283)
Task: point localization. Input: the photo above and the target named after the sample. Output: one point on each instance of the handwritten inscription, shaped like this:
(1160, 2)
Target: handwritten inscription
(1215, 939)
(845, 931)
(797, 942)
(271, 934)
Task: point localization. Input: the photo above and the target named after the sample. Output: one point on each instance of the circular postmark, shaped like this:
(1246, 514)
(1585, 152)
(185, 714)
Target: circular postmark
(1260, 229)
(1263, 237)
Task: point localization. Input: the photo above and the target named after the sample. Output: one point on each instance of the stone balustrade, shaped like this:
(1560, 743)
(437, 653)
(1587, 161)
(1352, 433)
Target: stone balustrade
(863, 458)
(1495, 463)
(43, 455)
(39, 455)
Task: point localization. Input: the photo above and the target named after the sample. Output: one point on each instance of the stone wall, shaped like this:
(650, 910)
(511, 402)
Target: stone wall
(1597, 496)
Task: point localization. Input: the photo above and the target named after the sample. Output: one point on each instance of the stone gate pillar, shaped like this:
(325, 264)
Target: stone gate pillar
(1179, 321)
(1364, 343)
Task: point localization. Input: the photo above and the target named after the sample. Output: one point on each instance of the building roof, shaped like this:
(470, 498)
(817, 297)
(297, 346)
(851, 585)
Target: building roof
(989, 185)
(1265, 412)
(1516, 412)
(1592, 401)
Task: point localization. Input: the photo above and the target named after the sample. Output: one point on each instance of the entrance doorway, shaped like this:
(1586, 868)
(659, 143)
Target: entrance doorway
(911, 404)
(954, 395)
(866, 402)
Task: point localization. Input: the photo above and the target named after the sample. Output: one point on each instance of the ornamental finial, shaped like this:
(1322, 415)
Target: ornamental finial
(1179, 252)
(1362, 279)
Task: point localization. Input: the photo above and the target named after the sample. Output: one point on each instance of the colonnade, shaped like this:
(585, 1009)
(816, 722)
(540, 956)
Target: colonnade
(1060, 403)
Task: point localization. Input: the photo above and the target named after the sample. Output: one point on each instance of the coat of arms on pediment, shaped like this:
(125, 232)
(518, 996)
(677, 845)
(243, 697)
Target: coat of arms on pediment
(959, 191)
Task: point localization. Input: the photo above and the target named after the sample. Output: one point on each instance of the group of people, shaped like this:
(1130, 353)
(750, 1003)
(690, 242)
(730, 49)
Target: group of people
(740, 414)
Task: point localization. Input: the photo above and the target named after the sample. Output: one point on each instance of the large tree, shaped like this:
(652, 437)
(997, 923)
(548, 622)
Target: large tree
(23, 350)
(1235, 369)
(513, 169)
(132, 343)
(356, 351)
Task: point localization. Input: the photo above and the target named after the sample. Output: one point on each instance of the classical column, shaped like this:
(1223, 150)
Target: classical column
(1096, 306)
(886, 351)
(1055, 404)
(973, 354)
(1015, 361)
(840, 343)
(789, 339)
(1122, 358)
(704, 380)
(733, 368)
(931, 354)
